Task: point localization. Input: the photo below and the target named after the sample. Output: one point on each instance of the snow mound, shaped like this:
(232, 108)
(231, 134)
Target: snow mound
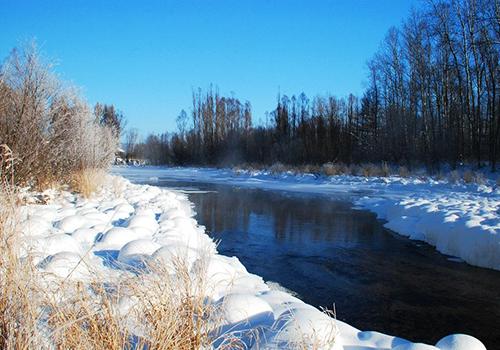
(117, 237)
(460, 342)
(71, 223)
(245, 308)
(137, 251)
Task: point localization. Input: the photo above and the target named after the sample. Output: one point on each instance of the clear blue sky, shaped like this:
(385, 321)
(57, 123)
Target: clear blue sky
(146, 56)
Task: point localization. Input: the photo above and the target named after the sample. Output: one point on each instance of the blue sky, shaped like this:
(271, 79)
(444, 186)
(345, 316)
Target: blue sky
(147, 56)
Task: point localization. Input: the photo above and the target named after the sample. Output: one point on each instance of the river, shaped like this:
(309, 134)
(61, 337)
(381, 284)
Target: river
(330, 254)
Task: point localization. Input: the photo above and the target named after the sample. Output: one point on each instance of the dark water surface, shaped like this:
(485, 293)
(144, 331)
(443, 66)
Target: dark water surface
(329, 253)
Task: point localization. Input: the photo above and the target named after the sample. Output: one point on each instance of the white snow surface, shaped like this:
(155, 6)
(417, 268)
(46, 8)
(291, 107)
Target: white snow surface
(461, 220)
(73, 236)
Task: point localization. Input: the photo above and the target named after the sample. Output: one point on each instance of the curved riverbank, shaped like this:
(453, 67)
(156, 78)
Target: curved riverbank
(125, 225)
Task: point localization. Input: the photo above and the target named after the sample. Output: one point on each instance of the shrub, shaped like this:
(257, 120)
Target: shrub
(51, 131)
(403, 171)
(454, 176)
(87, 181)
(468, 176)
(370, 169)
(278, 168)
(385, 170)
(330, 169)
(309, 169)
(479, 178)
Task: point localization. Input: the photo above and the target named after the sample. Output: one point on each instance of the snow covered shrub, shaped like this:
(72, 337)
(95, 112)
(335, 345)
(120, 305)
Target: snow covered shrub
(52, 132)
(403, 171)
(479, 178)
(370, 169)
(278, 168)
(454, 176)
(87, 181)
(354, 170)
(385, 169)
(330, 169)
(307, 169)
(468, 176)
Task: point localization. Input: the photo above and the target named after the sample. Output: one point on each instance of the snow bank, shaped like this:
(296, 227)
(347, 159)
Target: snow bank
(74, 238)
(467, 227)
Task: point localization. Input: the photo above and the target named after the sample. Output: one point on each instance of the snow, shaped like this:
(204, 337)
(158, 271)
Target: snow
(76, 238)
(460, 220)
(460, 342)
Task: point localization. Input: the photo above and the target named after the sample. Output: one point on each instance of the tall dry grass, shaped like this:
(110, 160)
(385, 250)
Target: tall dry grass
(143, 309)
(151, 310)
(18, 297)
(87, 181)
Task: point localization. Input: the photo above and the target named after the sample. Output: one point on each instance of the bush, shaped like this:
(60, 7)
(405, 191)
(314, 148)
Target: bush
(330, 169)
(468, 176)
(385, 169)
(51, 131)
(454, 176)
(479, 178)
(368, 170)
(403, 171)
(278, 168)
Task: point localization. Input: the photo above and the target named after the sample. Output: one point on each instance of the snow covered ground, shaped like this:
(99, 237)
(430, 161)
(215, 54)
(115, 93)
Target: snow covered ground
(126, 224)
(461, 220)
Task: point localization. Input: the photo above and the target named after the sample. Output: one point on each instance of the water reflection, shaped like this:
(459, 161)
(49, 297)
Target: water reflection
(329, 253)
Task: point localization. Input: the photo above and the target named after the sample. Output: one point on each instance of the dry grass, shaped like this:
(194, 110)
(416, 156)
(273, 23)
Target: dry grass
(18, 301)
(164, 312)
(468, 176)
(87, 181)
(333, 169)
(385, 169)
(278, 168)
(370, 169)
(161, 312)
(39, 310)
(403, 171)
(479, 178)
(454, 176)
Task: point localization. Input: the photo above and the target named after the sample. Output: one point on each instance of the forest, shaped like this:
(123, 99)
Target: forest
(431, 98)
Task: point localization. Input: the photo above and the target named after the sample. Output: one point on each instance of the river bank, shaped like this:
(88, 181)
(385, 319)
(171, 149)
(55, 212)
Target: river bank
(125, 226)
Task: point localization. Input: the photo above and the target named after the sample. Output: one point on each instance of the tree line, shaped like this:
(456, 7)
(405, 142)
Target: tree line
(431, 98)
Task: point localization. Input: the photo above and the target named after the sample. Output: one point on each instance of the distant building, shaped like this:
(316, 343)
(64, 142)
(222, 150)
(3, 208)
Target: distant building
(120, 156)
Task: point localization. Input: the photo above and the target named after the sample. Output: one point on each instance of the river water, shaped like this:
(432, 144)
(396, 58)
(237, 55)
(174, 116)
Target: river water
(333, 255)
